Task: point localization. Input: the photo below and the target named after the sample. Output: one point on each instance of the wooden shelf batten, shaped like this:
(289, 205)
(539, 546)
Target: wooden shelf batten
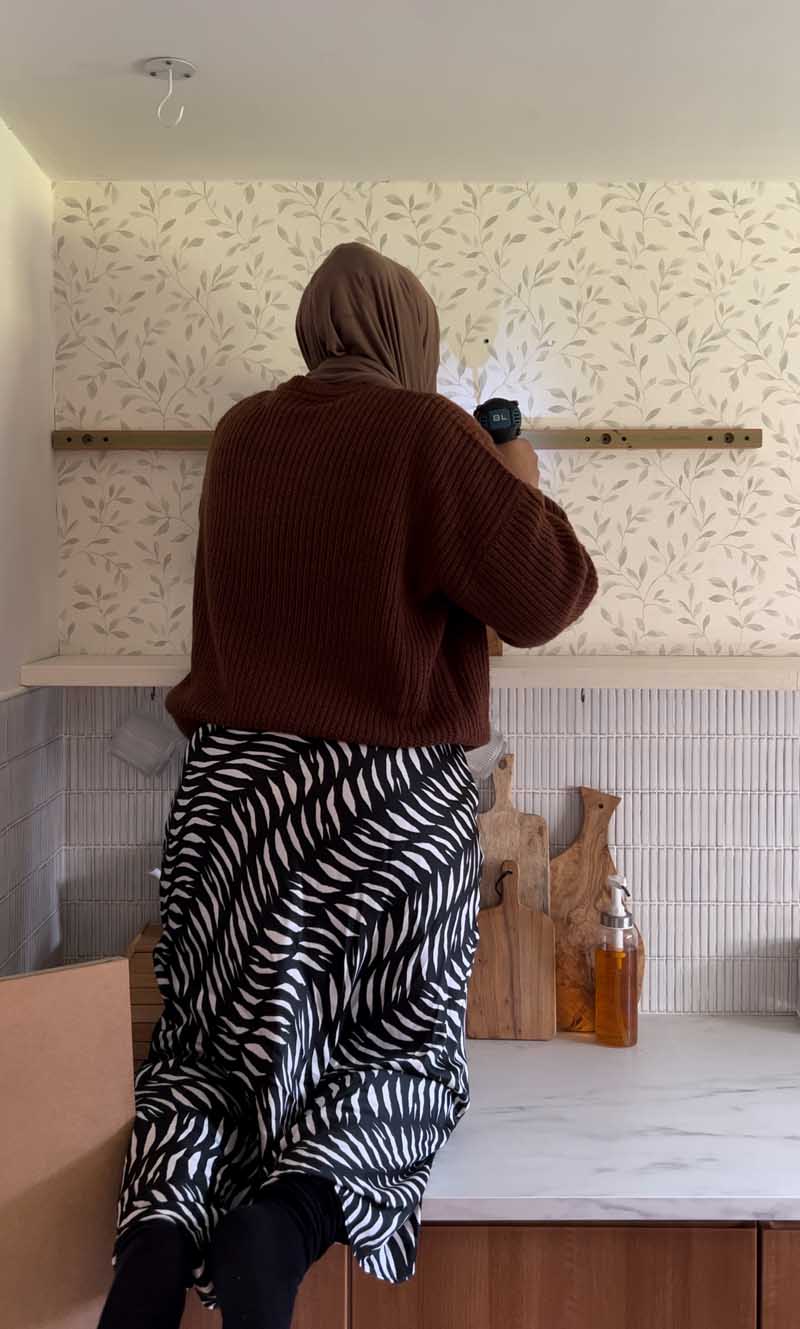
(626, 440)
(543, 440)
(131, 440)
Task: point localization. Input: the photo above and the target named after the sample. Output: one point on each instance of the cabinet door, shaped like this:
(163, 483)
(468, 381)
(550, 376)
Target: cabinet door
(481, 1277)
(780, 1277)
(322, 1303)
(66, 1102)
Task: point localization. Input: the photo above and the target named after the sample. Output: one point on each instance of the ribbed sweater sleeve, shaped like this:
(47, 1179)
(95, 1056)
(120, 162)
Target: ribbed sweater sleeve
(499, 549)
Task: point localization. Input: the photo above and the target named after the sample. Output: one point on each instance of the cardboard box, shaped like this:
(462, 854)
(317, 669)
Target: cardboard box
(66, 1105)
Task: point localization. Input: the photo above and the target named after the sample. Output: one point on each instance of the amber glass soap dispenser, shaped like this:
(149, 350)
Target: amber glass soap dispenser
(615, 972)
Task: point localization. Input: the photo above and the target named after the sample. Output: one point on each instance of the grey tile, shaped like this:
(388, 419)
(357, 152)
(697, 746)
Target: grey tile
(5, 797)
(100, 818)
(111, 874)
(4, 710)
(34, 839)
(44, 947)
(16, 929)
(6, 946)
(34, 719)
(91, 766)
(56, 768)
(17, 726)
(5, 875)
(27, 783)
(36, 781)
(39, 895)
(12, 966)
(99, 711)
(93, 931)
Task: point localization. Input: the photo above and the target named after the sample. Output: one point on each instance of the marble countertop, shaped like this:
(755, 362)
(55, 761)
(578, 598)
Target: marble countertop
(700, 1122)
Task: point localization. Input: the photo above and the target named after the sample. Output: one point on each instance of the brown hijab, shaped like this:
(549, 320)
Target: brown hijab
(364, 317)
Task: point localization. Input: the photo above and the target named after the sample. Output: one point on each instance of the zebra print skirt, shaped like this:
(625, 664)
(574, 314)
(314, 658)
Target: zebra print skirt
(318, 906)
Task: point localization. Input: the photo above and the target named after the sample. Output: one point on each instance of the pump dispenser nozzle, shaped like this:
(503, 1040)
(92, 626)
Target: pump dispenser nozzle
(617, 916)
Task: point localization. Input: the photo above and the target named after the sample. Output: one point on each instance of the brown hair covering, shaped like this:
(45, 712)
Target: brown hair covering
(362, 316)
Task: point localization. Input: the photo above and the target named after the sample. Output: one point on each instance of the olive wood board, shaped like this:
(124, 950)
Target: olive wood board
(578, 893)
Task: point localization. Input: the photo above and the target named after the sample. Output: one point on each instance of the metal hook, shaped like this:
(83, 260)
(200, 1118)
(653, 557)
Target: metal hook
(169, 67)
(169, 124)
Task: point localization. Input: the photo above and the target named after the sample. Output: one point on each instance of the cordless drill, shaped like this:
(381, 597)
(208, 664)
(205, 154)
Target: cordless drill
(501, 419)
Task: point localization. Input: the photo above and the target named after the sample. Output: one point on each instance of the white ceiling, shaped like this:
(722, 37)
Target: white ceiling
(368, 89)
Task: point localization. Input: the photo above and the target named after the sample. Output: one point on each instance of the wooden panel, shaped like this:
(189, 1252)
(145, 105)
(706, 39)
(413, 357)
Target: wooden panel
(322, 1303)
(508, 833)
(131, 440)
(780, 1277)
(512, 992)
(625, 440)
(66, 1103)
(570, 1277)
(544, 440)
(146, 1002)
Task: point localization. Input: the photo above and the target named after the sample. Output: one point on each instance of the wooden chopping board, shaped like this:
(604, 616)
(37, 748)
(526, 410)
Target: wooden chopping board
(520, 836)
(578, 892)
(512, 993)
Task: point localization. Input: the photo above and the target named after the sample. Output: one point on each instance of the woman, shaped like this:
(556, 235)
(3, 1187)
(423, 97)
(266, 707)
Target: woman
(321, 860)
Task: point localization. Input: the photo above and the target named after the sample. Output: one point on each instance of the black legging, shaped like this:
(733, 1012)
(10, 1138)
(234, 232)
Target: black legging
(259, 1256)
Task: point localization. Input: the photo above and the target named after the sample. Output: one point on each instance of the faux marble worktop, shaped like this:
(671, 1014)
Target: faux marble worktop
(701, 1121)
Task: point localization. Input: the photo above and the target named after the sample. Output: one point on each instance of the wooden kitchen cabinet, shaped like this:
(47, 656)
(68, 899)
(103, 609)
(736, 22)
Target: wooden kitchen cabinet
(780, 1276)
(569, 1277)
(322, 1303)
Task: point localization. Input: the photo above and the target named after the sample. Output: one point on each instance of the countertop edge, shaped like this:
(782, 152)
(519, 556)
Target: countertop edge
(530, 1209)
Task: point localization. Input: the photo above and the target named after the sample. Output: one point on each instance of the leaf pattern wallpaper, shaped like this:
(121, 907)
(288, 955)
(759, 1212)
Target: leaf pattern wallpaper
(628, 304)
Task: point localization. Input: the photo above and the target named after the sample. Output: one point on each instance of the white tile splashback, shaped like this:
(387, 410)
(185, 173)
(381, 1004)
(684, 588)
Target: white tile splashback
(708, 830)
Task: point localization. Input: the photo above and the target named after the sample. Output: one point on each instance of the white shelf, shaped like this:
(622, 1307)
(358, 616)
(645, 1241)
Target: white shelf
(647, 671)
(105, 671)
(508, 671)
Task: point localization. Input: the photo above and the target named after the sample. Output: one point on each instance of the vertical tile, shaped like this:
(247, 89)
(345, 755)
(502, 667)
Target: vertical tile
(44, 947)
(4, 710)
(5, 926)
(5, 798)
(707, 829)
(5, 874)
(16, 725)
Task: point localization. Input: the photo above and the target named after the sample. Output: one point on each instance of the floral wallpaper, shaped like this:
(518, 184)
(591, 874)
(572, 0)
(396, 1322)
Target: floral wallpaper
(635, 304)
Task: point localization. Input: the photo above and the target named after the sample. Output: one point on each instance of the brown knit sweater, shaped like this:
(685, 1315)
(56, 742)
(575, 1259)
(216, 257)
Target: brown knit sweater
(354, 542)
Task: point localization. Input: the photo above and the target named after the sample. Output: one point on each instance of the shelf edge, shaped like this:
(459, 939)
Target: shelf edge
(781, 673)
